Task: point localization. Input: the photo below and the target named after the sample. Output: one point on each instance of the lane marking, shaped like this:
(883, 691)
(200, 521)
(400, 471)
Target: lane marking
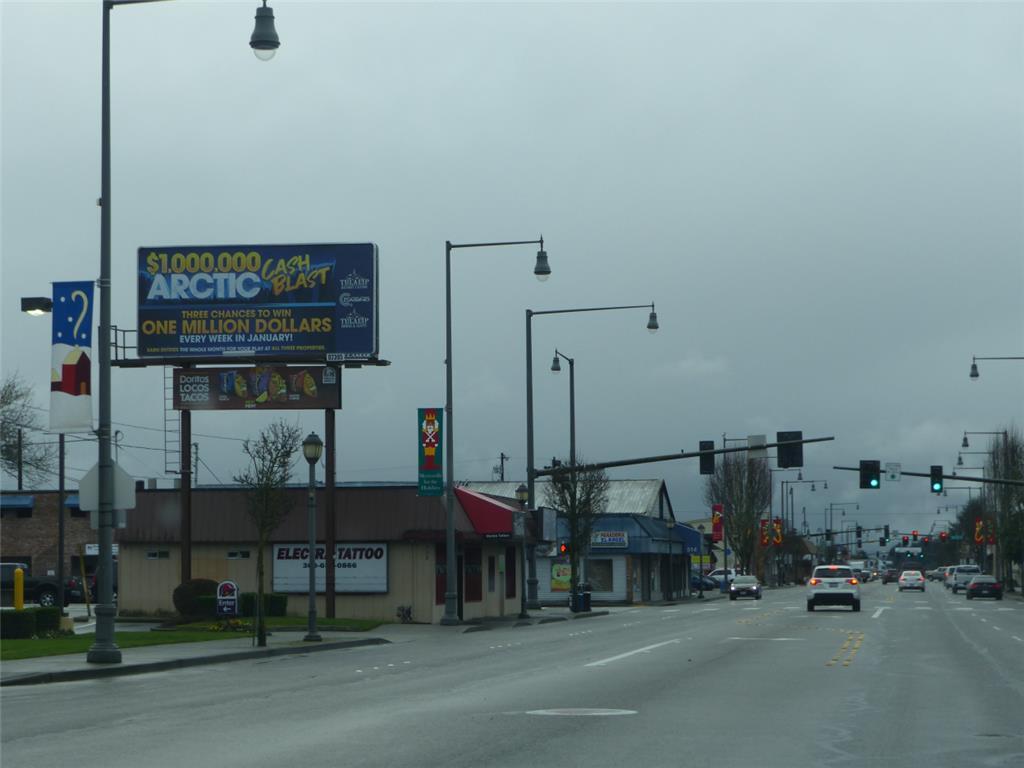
(996, 628)
(705, 610)
(670, 610)
(1019, 640)
(878, 611)
(773, 639)
(627, 654)
(922, 607)
(581, 712)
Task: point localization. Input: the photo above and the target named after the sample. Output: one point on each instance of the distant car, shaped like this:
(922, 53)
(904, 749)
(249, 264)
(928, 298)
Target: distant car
(745, 586)
(41, 590)
(833, 585)
(719, 573)
(911, 580)
(984, 586)
(890, 574)
(708, 583)
(960, 576)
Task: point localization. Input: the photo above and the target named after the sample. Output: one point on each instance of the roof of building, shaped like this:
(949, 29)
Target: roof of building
(633, 497)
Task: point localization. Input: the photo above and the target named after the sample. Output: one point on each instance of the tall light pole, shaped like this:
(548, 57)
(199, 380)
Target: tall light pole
(832, 505)
(700, 585)
(312, 447)
(652, 327)
(543, 271)
(583, 547)
(104, 650)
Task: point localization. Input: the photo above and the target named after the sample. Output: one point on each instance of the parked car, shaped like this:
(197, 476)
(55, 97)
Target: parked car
(709, 584)
(889, 575)
(961, 576)
(911, 580)
(984, 586)
(745, 586)
(42, 589)
(833, 585)
(719, 573)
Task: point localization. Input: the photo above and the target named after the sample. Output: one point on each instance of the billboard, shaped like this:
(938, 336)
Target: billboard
(261, 387)
(359, 567)
(315, 302)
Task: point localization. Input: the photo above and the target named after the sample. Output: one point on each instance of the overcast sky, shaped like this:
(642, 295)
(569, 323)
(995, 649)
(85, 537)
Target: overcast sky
(825, 201)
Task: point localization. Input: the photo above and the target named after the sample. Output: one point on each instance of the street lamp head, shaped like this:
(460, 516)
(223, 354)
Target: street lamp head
(312, 447)
(812, 487)
(522, 493)
(974, 370)
(826, 485)
(959, 460)
(556, 366)
(799, 476)
(264, 40)
(652, 321)
(36, 305)
(965, 444)
(542, 269)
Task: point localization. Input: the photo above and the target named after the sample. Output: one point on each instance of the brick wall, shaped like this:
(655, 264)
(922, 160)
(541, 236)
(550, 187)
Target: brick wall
(36, 537)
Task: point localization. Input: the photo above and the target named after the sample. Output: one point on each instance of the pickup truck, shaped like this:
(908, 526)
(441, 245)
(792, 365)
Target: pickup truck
(961, 576)
(37, 590)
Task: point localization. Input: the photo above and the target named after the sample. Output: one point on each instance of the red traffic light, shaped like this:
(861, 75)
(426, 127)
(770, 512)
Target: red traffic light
(927, 539)
(943, 536)
(906, 540)
(563, 548)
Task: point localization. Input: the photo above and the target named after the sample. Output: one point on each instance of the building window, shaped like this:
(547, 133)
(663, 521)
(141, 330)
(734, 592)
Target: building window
(16, 512)
(158, 554)
(473, 575)
(238, 554)
(599, 574)
(510, 571)
(490, 573)
(77, 512)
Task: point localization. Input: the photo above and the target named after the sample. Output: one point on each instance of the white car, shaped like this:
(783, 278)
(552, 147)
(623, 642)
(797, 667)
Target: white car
(719, 573)
(833, 585)
(911, 580)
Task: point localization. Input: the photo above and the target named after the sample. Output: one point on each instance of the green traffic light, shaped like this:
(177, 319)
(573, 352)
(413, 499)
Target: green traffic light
(936, 487)
(874, 482)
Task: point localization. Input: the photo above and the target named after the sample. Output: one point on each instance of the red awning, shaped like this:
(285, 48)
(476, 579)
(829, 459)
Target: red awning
(490, 518)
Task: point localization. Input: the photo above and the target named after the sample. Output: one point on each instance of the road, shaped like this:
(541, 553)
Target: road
(912, 680)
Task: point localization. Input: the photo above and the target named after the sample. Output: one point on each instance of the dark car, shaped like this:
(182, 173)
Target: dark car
(890, 575)
(745, 586)
(984, 586)
(710, 585)
(42, 590)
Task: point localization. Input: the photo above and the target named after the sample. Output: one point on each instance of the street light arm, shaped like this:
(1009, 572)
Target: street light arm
(453, 246)
(533, 312)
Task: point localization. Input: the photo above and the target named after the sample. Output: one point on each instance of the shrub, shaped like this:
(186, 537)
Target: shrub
(206, 606)
(274, 604)
(47, 620)
(17, 625)
(186, 595)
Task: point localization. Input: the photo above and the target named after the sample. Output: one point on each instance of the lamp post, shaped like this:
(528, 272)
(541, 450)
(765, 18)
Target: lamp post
(652, 327)
(831, 507)
(312, 447)
(700, 583)
(975, 359)
(543, 271)
(670, 524)
(522, 495)
(555, 368)
(104, 650)
(782, 491)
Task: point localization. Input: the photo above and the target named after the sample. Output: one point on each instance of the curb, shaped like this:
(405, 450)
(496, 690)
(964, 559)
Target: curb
(159, 666)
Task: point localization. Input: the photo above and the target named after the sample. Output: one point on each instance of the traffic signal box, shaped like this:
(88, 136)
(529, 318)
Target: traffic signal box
(870, 474)
(936, 474)
(707, 461)
(789, 455)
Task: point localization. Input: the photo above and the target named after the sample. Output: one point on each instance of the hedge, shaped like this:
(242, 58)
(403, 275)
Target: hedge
(47, 620)
(274, 604)
(17, 625)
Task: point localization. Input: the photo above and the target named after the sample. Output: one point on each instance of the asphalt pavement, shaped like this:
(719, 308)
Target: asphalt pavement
(928, 680)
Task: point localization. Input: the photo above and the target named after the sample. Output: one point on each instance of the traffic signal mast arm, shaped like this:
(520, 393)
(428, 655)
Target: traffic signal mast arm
(994, 480)
(564, 468)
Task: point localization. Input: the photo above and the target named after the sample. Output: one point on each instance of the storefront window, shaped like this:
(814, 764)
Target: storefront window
(473, 575)
(599, 574)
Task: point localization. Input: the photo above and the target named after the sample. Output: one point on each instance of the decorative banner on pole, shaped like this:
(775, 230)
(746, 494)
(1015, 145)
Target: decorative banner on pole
(979, 531)
(765, 538)
(431, 481)
(71, 358)
(716, 522)
(777, 530)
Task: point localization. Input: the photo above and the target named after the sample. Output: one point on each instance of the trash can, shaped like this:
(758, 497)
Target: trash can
(585, 595)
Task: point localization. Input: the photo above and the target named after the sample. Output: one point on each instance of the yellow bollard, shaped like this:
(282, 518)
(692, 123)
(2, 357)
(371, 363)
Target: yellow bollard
(19, 589)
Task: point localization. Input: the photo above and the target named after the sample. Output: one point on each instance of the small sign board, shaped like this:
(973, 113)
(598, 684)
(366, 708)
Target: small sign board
(227, 599)
(431, 448)
(893, 469)
(262, 387)
(756, 444)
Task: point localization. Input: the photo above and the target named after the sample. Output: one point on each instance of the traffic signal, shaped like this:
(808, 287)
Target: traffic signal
(881, 541)
(828, 534)
(943, 536)
(859, 531)
(886, 534)
(906, 540)
(707, 460)
(870, 473)
(926, 540)
(789, 455)
(914, 534)
(563, 549)
(936, 478)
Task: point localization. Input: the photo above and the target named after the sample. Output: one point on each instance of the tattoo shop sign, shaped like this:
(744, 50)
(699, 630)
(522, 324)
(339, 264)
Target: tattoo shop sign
(359, 567)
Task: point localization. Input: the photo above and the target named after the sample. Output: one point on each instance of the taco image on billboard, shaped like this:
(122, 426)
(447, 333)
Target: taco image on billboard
(302, 383)
(276, 387)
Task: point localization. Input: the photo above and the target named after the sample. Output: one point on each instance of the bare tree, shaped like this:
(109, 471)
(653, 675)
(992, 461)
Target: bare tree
(581, 497)
(743, 487)
(17, 415)
(266, 478)
(1006, 502)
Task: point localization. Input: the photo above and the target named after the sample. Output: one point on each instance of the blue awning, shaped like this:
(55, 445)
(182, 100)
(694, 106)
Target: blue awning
(71, 500)
(17, 502)
(636, 535)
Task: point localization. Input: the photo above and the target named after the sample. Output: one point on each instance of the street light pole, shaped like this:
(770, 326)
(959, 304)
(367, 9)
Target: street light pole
(312, 447)
(975, 359)
(652, 326)
(543, 271)
(104, 650)
(700, 586)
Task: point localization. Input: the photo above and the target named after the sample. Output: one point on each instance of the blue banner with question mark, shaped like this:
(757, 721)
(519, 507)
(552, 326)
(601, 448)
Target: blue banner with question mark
(71, 357)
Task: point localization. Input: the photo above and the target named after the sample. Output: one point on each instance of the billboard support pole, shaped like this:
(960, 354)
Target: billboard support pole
(185, 495)
(329, 492)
